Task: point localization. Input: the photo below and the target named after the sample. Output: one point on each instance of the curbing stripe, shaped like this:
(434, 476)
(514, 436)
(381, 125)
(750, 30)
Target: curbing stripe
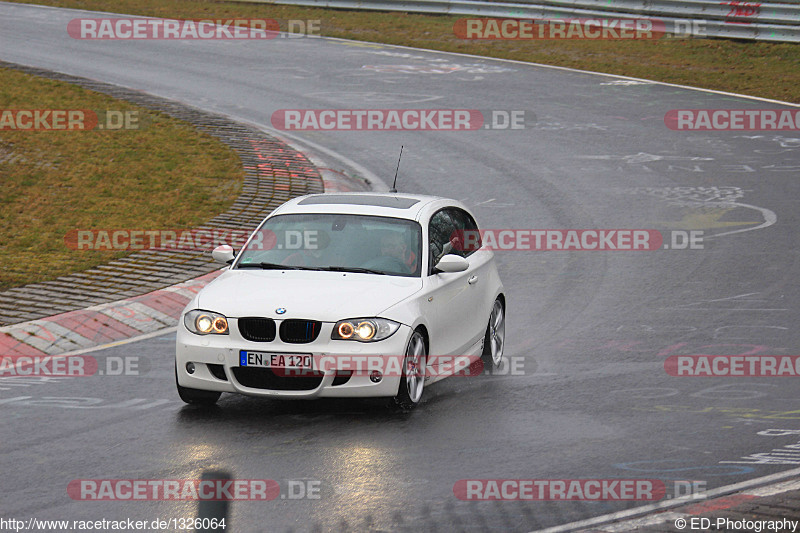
(718, 504)
(88, 324)
(62, 335)
(169, 304)
(141, 316)
(10, 345)
(641, 522)
(101, 324)
(656, 519)
(659, 518)
(48, 341)
(776, 483)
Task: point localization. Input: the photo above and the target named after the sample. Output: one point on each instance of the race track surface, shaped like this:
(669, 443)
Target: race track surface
(589, 331)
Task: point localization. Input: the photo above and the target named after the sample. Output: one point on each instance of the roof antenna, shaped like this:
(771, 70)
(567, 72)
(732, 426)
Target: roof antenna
(394, 184)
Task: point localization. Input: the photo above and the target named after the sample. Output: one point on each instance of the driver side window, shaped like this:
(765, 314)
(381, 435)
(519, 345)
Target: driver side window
(440, 231)
(468, 239)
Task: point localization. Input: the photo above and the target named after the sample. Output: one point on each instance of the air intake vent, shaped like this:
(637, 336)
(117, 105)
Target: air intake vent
(257, 329)
(218, 371)
(265, 378)
(296, 331)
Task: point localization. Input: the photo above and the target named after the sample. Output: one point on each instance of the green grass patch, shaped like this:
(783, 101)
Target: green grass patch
(769, 70)
(164, 175)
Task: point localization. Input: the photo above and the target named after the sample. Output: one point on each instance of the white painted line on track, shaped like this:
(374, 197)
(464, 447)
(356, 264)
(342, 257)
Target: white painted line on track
(628, 525)
(770, 218)
(487, 58)
(568, 69)
(776, 489)
(721, 491)
(121, 342)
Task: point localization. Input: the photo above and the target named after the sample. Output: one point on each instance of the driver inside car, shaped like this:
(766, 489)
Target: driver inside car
(393, 246)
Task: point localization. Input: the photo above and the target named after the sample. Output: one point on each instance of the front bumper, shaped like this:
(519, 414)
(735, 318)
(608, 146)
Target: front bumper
(212, 353)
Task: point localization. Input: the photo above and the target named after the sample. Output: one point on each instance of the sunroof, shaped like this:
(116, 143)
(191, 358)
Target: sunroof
(398, 202)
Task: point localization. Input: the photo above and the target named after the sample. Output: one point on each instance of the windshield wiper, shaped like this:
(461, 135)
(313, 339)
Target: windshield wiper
(274, 266)
(353, 269)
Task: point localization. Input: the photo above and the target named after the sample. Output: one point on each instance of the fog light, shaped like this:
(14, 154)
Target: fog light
(375, 376)
(190, 368)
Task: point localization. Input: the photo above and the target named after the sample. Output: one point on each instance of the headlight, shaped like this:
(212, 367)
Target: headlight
(205, 322)
(364, 329)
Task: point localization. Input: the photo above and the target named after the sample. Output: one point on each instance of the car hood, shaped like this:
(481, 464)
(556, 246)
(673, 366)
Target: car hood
(324, 296)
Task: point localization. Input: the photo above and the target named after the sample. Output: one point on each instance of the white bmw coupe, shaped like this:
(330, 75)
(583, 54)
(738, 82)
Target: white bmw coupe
(345, 295)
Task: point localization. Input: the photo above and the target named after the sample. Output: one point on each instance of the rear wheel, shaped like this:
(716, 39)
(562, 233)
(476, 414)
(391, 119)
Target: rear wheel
(495, 339)
(196, 396)
(412, 381)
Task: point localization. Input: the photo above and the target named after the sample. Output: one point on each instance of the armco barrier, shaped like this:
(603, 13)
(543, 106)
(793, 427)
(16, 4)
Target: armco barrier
(733, 19)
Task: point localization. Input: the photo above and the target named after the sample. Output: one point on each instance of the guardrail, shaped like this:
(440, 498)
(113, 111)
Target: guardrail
(732, 19)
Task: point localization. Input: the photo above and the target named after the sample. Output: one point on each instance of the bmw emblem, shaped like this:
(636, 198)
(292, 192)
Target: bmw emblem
(280, 310)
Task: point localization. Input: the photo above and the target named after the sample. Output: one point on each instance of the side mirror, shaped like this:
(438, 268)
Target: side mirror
(452, 263)
(223, 254)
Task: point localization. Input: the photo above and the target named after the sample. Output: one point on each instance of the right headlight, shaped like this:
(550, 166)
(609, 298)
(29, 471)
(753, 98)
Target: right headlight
(364, 329)
(202, 322)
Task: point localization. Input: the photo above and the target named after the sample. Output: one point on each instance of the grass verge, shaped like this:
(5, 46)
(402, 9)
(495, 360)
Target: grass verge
(164, 175)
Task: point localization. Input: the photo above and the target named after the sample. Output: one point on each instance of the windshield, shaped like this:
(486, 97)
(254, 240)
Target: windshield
(338, 242)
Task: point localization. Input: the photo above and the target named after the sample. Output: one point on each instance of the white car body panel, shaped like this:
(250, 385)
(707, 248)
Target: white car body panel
(453, 308)
(233, 294)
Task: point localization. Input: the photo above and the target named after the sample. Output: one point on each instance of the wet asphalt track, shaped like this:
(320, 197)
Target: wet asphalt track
(592, 329)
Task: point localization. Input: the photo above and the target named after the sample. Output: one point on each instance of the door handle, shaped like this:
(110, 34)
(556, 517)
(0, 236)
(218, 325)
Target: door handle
(473, 280)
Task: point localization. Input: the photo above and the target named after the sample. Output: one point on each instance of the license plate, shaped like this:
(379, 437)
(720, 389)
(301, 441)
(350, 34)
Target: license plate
(275, 360)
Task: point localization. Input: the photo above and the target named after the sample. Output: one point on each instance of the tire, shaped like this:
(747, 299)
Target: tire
(494, 341)
(196, 396)
(412, 382)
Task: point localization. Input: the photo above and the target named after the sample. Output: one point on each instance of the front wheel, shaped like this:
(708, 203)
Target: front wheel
(495, 339)
(412, 380)
(196, 396)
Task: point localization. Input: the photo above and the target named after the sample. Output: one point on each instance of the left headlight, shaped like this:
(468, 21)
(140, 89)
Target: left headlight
(205, 322)
(364, 329)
